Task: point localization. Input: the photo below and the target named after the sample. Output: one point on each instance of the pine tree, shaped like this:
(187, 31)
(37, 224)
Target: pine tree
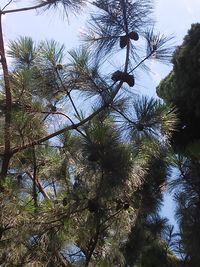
(76, 200)
(180, 87)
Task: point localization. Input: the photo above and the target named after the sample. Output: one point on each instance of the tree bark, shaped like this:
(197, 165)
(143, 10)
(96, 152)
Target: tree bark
(7, 151)
(35, 180)
(92, 245)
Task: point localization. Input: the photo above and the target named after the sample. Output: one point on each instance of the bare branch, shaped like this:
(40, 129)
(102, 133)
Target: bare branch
(7, 5)
(24, 8)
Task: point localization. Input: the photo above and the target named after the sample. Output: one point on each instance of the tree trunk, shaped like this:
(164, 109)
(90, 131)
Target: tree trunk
(7, 150)
(35, 180)
(92, 246)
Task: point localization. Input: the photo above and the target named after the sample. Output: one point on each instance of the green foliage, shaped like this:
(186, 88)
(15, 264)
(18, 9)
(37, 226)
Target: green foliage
(23, 51)
(85, 176)
(181, 88)
(186, 187)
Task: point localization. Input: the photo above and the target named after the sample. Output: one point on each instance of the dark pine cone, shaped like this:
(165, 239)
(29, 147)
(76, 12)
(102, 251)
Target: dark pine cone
(134, 36)
(124, 77)
(123, 41)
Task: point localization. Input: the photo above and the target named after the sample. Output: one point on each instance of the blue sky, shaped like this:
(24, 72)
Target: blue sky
(172, 16)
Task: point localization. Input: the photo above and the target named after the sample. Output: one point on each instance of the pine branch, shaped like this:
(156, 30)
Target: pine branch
(24, 8)
(76, 125)
(68, 94)
(40, 188)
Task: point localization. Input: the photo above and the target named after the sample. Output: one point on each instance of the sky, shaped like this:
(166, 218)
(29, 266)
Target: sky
(172, 16)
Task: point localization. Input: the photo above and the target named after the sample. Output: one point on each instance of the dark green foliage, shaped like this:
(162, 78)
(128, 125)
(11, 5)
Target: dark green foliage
(145, 247)
(104, 149)
(181, 88)
(188, 216)
(148, 227)
(187, 197)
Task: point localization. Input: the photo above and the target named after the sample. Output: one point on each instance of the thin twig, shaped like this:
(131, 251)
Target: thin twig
(7, 5)
(142, 61)
(68, 94)
(24, 8)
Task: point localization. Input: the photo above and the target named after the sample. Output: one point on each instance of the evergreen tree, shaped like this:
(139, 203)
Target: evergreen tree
(78, 200)
(181, 88)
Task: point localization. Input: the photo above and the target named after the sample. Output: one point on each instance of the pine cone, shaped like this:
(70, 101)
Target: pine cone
(124, 77)
(134, 36)
(123, 41)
